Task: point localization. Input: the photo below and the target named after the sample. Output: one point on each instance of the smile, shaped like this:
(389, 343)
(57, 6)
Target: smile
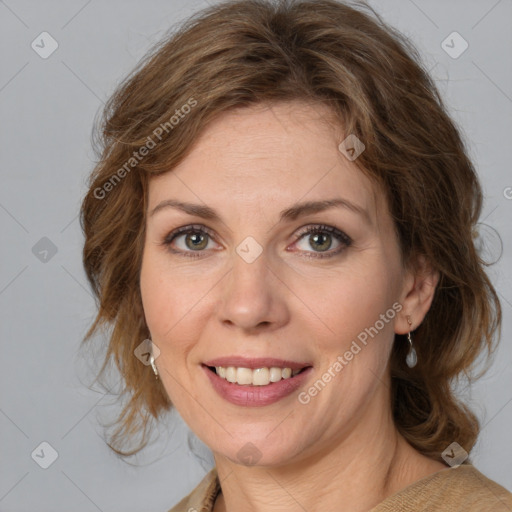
(256, 387)
(254, 377)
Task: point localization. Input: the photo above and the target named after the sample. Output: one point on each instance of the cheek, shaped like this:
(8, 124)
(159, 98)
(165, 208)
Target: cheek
(356, 343)
(163, 309)
(159, 297)
(348, 301)
(174, 301)
(350, 308)
(152, 288)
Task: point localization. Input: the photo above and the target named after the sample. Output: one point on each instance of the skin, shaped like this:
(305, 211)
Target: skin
(341, 447)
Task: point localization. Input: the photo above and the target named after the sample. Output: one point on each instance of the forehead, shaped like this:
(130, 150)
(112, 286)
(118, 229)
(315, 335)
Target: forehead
(250, 159)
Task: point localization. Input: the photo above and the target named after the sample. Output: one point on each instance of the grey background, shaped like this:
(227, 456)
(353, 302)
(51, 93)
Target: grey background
(47, 108)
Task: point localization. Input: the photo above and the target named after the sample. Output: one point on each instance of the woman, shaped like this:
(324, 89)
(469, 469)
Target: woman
(280, 233)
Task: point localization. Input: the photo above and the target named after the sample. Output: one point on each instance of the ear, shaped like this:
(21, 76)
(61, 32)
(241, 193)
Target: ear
(419, 286)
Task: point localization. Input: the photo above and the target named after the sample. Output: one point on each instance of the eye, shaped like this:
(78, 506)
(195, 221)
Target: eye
(188, 239)
(320, 239)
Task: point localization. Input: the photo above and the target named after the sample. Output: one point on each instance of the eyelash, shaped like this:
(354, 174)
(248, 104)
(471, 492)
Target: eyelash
(343, 238)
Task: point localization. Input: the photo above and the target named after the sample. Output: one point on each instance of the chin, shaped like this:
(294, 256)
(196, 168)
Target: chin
(258, 453)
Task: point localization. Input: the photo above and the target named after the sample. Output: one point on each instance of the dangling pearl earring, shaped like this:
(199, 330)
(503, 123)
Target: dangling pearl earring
(411, 358)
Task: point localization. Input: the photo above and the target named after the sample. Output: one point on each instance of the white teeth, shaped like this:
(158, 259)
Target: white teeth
(260, 377)
(230, 374)
(275, 374)
(257, 377)
(243, 376)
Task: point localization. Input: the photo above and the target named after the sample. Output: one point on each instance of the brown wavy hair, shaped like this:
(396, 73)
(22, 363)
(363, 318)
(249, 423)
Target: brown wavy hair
(371, 78)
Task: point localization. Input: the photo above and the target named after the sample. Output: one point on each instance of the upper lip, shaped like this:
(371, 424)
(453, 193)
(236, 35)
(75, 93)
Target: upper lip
(255, 362)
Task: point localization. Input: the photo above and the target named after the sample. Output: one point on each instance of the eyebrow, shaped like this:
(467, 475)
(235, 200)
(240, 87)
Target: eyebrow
(289, 214)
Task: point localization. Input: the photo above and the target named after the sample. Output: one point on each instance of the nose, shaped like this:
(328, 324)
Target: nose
(253, 297)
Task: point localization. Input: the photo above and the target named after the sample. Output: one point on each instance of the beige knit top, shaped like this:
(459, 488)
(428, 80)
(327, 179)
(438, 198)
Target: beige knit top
(457, 489)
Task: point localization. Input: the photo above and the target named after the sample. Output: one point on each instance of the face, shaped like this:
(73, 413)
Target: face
(242, 279)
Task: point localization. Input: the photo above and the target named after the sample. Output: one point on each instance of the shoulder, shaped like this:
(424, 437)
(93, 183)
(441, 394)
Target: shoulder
(202, 498)
(460, 488)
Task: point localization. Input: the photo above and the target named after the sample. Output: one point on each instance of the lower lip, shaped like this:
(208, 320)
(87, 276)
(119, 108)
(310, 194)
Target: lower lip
(256, 396)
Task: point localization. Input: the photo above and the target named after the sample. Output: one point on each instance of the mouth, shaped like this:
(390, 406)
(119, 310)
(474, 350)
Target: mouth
(257, 386)
(264, 376)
